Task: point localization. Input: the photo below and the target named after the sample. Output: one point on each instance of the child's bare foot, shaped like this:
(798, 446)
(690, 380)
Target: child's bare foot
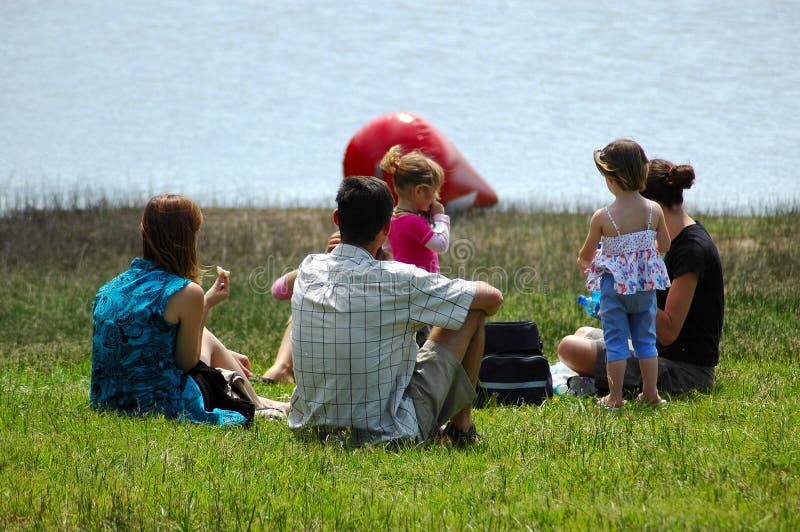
(277, 373)
(273, 375)
(642, 399)
(607, 403)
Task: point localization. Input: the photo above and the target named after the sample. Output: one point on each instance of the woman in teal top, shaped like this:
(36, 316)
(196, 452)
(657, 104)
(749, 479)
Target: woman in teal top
(149, 325)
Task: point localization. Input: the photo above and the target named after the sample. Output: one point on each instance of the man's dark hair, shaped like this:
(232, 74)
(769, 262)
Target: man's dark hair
(365, 205)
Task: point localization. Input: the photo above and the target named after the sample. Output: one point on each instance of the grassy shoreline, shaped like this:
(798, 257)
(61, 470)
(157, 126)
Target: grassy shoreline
(723, 459)
(88, 199)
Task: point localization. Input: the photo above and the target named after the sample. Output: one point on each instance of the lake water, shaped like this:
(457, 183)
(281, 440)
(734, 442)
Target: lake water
(254, 102)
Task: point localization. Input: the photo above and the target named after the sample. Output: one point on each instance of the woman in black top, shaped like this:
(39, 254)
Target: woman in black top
(690, 315)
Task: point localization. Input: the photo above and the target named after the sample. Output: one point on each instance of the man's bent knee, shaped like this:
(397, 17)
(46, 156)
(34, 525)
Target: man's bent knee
(457, 341)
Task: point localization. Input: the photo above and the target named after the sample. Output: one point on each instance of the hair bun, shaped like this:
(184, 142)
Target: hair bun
(681, 176)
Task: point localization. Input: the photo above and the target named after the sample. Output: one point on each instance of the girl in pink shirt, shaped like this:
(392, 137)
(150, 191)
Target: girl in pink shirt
(420, 228)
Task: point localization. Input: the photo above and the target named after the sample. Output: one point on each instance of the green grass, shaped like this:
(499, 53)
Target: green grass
(724, 459)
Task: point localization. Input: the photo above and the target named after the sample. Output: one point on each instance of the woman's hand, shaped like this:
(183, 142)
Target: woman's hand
(244, 362)
(219, 292)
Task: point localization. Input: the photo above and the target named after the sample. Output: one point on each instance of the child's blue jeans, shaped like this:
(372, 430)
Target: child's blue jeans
(627, 316)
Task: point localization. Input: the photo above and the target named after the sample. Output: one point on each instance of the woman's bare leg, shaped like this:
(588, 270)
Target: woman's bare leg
(578, 352)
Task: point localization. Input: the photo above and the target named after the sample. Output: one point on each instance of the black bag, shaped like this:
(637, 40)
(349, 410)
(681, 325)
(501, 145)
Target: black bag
(513, 369)
(217, 393)
(519, 337)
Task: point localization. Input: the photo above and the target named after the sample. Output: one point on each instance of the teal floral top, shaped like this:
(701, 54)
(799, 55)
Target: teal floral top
(133, 350)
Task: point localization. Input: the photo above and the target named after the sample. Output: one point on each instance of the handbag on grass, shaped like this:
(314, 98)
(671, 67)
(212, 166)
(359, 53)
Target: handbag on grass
(513, 370)
(221, 391)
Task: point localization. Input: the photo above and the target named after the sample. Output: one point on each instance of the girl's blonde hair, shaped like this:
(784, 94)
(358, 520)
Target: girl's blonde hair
(625, 162)
(169, 226)
(413, 168)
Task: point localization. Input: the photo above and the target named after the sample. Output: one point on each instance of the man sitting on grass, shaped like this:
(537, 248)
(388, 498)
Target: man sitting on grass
(356, 363)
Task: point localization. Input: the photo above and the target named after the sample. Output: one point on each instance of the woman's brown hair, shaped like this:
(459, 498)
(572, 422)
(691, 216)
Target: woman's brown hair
(169, 226)
(413, 168)
(666, 182)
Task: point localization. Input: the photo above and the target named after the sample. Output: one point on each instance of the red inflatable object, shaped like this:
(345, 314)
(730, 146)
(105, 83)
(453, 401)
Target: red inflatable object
(463, 186)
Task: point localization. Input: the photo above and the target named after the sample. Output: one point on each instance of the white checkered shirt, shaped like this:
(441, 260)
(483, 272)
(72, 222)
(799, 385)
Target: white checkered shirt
(353, 324)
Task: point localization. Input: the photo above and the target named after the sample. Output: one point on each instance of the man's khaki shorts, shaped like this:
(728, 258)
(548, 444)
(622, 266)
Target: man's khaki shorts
(439, 388)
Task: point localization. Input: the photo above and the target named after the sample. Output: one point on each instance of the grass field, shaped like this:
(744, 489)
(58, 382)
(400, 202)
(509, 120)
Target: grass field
(726, 459)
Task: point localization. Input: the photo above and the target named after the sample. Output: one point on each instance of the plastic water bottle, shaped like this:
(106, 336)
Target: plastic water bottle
(590, 305)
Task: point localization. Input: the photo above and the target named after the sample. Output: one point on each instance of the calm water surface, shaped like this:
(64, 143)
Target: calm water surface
(254, 102)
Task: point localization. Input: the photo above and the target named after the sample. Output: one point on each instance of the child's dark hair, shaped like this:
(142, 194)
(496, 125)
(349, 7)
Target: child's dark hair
(413, 168)
(625, 162)
(666, 181)
(365, 206)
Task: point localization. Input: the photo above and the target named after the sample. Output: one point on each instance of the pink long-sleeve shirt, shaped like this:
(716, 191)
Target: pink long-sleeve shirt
(414, 241)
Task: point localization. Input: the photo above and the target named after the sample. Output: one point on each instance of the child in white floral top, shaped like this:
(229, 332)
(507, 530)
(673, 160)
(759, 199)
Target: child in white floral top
(628, 269)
